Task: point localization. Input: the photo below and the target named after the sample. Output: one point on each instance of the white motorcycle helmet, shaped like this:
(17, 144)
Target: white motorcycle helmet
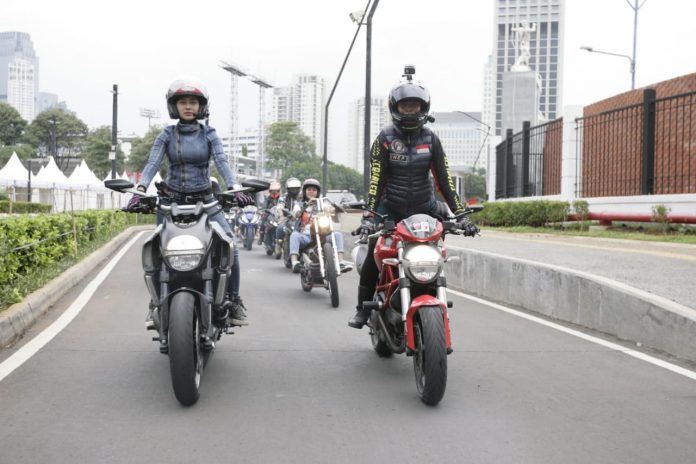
(185, 86)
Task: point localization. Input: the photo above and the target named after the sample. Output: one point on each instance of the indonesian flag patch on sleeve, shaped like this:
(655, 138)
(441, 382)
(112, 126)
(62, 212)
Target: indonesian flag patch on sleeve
(422, 149)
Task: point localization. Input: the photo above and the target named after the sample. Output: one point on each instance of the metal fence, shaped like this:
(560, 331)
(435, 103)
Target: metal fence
(642, 149)
(529, 163)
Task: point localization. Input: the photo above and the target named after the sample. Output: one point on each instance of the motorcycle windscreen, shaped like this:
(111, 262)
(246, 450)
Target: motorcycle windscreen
(421, 225)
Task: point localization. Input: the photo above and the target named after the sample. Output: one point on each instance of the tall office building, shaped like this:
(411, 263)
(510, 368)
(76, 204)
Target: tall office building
(546, 17)
(379, 118)
(19, 73)
(302, 103)
(461, 135)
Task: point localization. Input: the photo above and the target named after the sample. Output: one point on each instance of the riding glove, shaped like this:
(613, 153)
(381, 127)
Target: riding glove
(468, 227)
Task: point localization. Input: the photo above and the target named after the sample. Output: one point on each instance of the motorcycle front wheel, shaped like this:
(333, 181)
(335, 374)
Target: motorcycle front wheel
(185, 358)
(249, 238)
(430, 358)
(331, 275)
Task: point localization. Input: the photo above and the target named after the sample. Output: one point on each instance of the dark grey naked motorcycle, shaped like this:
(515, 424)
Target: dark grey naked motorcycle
(187, 262)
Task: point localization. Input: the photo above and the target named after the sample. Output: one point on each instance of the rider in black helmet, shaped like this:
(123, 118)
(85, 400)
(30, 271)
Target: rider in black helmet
(402, 158)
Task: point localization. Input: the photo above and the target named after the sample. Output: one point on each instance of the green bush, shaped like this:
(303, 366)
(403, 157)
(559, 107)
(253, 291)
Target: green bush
(33, 244)
(522, 213)
(21, 207)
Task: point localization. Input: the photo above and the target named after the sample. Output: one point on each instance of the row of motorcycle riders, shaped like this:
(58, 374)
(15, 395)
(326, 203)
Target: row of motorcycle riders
(271, 223)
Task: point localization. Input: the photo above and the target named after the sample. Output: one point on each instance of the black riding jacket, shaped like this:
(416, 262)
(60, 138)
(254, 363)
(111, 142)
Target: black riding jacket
(400, 163)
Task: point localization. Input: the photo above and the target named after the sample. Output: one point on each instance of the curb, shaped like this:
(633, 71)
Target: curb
(577, 297)
(15, 320)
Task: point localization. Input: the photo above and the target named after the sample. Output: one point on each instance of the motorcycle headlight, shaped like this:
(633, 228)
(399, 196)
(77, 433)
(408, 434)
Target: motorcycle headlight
(422, 263)
(324, 223)
(184, 253)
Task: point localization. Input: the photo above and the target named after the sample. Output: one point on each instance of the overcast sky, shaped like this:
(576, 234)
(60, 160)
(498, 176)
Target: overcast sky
(85, 46)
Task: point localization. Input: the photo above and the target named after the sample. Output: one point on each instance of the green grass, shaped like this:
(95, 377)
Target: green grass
(644, 232)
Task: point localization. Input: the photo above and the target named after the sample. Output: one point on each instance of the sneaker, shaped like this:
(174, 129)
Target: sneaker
(237, 315)
(297, 267)
(345, 266)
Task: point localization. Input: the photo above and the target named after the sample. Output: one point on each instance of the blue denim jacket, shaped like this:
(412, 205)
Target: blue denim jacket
(189, 165)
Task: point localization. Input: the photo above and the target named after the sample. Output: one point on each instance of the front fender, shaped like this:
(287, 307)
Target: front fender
(416, 304)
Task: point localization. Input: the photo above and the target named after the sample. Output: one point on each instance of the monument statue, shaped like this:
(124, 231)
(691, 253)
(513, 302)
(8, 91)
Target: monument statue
(523, 32)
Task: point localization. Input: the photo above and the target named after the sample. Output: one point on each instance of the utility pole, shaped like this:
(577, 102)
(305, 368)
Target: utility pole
(114, 132)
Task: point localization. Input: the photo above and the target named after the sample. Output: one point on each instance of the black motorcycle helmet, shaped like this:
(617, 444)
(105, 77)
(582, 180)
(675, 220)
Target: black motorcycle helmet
(409, 90)
(313, 183)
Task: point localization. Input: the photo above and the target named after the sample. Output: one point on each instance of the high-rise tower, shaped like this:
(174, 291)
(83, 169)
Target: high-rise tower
(19, 73)
(545, 53)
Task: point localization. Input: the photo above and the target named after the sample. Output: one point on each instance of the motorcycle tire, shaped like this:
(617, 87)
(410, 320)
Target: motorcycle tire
(378, 343)
(430, 358)
(249, 238)
(331, 274)
(305, 281)
(185, 357)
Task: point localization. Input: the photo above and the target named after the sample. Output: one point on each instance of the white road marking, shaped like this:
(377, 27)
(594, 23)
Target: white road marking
(38, 342)
(613, 346)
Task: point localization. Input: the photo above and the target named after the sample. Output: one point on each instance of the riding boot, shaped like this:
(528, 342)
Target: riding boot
(361, 314)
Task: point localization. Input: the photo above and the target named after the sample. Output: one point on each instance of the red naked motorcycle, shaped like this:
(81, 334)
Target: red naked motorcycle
(409, 308)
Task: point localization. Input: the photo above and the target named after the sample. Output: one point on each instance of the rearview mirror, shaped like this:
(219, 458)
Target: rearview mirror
(118, 184)
(257, 185)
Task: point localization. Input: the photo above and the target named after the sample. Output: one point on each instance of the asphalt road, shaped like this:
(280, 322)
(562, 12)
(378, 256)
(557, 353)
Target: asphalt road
(299, 386)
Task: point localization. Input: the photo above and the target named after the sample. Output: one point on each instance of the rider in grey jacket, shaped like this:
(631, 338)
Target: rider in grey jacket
(189, 147)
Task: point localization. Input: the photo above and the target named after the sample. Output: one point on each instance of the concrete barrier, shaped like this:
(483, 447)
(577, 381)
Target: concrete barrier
(577, 297)
(572, 296)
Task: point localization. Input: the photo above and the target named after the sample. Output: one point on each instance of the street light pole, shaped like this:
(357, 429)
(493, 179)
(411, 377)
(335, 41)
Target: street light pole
(325, 160)
(114, 131)
(635, 7)
(633, 63)
(368, 99)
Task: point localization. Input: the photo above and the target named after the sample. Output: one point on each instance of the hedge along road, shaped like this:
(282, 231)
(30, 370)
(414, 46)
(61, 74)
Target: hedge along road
(298, 385)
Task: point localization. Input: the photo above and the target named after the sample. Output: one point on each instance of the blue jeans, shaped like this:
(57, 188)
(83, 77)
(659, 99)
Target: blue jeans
(298, 240)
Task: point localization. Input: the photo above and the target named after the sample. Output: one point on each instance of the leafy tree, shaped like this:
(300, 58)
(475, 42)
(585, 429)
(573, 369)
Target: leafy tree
(345, 178)
(11, 125)
(302, 170)
(70, 133)
(141, 148)
(286, 145)
(96, 152)
(475, 185)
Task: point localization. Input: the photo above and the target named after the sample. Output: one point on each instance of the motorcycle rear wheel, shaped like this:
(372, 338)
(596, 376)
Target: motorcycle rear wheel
(185, 357)
(430, 358)
(331, 275)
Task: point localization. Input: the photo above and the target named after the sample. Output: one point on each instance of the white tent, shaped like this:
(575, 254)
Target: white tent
(14, 173)
(51, 176)
(87, 190)
(83, 175)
